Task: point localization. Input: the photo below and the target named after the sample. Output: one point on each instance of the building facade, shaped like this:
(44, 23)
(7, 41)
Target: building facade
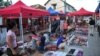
(59, 5)
(38, 6)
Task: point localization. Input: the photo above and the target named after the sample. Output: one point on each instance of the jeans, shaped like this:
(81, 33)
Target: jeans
(91, 29)
(1, 53)
(41, 48)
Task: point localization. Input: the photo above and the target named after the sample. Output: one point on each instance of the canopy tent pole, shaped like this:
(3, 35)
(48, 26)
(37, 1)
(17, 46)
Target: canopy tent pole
(99, 9)
(21, 27)
(49, 24)
(74, 19)
(99, 13)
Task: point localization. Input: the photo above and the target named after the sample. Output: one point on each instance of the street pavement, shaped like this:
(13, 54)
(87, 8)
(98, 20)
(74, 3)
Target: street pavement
(93, 48)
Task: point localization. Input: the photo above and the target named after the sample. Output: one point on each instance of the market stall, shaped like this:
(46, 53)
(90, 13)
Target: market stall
(81, 37)
(77, 40)
(81, 12)
(20, 10)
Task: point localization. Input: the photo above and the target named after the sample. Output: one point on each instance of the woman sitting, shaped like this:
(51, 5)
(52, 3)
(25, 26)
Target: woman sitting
(61, 41)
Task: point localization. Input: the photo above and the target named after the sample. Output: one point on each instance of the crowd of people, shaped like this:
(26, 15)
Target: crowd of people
(45, 41)
(40, 41)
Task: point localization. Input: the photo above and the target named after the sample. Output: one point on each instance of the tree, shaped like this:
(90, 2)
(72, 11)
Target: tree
(1, 3)
(7, 3)
(4, 3)
(1, 0)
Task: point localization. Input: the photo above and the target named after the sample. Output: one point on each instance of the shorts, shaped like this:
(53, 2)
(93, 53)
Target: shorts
(9, 52)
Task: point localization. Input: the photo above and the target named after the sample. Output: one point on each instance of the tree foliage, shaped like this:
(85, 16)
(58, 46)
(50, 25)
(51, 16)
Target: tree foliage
(1, 0)
(4, 3)
(7, 3)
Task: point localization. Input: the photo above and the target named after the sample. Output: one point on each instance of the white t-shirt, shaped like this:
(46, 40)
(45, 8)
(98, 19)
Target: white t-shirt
(61, 24)
(11, 33)
(98, 22)
(31, 44)
(47, 37)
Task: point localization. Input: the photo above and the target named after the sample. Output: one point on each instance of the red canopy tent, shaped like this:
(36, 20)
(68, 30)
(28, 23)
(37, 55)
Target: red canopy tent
(81, 12)
(20, 7)
(20, 10)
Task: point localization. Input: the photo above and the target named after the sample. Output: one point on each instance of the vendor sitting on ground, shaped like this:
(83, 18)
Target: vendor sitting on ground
(41, 43)
(30, 45)
(61, 41)
(51, 46)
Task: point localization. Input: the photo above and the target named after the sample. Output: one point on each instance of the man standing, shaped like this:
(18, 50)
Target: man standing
(1, 52)
(11, 39)
(92, 23)
(65, 27)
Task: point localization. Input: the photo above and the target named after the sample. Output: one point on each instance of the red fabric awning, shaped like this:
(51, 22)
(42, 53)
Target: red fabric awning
(81, 12)
(20, 7)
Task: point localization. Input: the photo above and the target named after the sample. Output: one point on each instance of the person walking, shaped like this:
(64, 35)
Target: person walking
(1, 52)
(92, 23)
(65, 27)
(11, 39)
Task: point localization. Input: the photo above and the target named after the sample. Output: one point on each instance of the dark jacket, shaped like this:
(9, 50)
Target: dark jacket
(1, 52)
(42, 39)
(92, 22)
